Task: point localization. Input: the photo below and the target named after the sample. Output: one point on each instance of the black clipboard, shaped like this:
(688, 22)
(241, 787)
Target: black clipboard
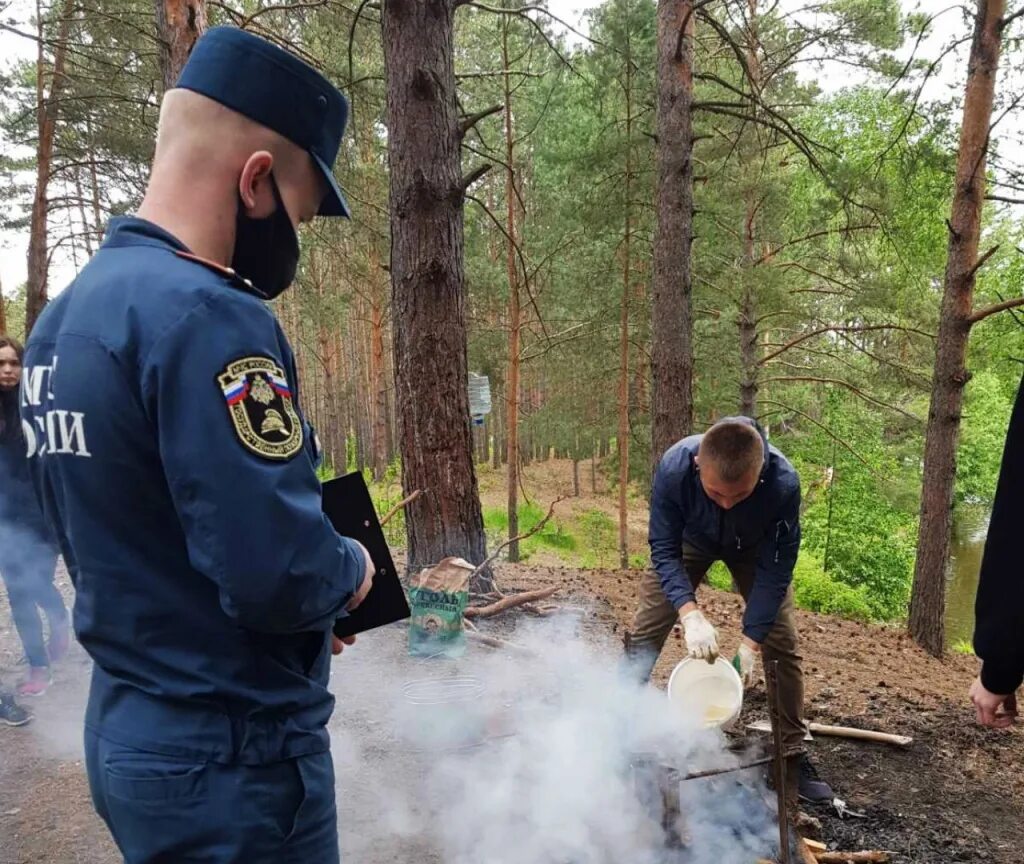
(348, 505)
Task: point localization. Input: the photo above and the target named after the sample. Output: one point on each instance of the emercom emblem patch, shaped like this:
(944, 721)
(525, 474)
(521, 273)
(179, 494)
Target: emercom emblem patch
(259, 400)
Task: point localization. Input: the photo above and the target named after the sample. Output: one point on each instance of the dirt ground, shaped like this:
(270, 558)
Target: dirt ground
(956, 795)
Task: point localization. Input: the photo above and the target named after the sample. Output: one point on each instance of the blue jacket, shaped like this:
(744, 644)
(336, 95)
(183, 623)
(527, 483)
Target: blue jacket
(19, 507)
(769, 520)
(167, 447)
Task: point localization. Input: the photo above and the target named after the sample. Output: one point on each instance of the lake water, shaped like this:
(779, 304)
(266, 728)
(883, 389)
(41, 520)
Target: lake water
(968, 543)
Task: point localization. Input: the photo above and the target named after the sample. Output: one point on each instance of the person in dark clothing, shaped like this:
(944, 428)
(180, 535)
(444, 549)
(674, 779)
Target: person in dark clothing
(27, 553)
(729, 496)
(999, 608)
(169, 447)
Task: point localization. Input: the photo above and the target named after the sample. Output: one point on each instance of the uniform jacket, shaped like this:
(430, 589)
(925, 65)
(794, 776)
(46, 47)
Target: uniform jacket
(768, 521)
(170, 454)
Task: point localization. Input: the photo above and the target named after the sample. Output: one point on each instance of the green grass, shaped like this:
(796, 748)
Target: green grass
(554, 536)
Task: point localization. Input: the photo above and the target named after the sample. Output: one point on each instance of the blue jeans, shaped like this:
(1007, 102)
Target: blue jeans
(164, 809)
(27, 564)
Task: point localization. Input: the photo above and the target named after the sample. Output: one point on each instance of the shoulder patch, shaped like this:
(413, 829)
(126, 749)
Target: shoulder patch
(259, 402)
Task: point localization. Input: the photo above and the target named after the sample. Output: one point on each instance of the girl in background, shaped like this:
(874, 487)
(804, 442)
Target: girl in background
(27, 553)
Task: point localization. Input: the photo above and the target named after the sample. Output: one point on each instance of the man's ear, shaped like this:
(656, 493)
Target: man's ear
(254, 186)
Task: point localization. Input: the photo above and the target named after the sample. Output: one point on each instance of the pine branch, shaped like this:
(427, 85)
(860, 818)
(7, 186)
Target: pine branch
(471, 120)
(474, 175)
(822, 427)
(982, 314)
(833, 328)
(783, 379)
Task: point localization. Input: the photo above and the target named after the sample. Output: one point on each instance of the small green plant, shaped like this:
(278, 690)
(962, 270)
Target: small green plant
(963, 646)
(719, 577)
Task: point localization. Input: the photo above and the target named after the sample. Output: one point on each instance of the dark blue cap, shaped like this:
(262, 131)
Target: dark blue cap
(275, 89)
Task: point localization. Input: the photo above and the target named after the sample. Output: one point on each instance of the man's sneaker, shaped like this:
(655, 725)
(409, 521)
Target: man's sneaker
(36, 683)
(60, 641)
(810, 785)
(11, 713)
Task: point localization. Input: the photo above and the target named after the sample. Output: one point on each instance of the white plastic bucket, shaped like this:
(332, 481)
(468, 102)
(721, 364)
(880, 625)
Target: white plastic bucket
(709, 694)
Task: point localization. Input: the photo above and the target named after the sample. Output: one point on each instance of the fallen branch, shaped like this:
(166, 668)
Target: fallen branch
(405, 502)
(509, 602)
(854, 857)
(494, 642)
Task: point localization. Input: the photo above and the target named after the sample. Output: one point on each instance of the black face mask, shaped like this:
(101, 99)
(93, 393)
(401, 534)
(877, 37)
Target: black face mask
(267, 249)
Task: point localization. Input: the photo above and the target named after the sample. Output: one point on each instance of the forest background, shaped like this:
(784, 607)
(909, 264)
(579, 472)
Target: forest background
(823, 161)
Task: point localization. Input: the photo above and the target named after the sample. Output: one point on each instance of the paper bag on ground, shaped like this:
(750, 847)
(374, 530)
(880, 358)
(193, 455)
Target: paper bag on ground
(439, 596)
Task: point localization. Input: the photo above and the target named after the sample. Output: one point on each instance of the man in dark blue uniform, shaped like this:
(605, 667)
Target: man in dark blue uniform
(169, 450)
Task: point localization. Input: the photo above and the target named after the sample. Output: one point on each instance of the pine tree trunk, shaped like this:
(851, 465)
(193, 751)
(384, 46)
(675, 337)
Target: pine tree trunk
(378, 384)
(428, 283)
(928, 601)
(499, 433)
(94, 184)
(179, 23)
(46, 122)
(747, 320)
(627, 275)
(514, 313)
(575, 477)
(671, 311)
(86, 232)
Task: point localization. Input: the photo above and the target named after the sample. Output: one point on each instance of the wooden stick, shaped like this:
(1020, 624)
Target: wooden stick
(804, 851)
(494, 642)
(405, 502)
(509, 602)
(861, 734)
(845, 732)
(854, 857)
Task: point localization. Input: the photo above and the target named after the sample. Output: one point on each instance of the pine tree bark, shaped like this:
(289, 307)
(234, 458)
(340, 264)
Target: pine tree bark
(46, 122)
(928, 600)
(512, 387)
(627, 278)
(428, 283)
(747, 320)
(671, 306)
(179, 23)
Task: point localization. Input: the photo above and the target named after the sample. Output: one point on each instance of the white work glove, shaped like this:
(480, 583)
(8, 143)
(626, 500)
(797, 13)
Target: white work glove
(745, 662)
(701, 638)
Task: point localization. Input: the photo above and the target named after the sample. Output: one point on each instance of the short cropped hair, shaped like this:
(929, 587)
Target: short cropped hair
(734, 449)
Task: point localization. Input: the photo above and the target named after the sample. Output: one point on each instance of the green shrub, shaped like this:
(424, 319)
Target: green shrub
(818, 591)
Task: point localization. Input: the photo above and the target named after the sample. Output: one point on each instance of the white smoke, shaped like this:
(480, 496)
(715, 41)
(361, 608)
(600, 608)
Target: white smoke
(551, 784)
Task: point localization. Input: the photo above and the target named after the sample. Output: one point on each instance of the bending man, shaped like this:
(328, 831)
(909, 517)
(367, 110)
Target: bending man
(729, 496)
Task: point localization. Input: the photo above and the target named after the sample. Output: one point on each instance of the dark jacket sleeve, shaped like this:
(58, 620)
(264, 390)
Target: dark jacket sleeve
(665, 533)
(254, 526)
(999, 609)
(775, 563)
